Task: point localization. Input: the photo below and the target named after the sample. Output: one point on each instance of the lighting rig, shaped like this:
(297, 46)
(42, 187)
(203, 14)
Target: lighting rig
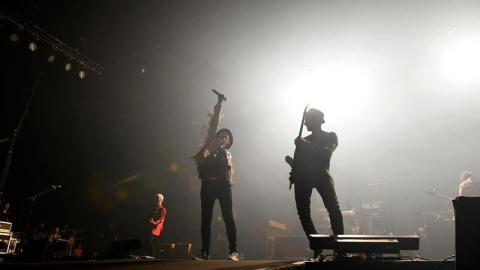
(37, 34)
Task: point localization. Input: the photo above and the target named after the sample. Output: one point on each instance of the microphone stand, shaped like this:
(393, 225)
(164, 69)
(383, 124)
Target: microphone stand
(33, 199)
(8, 159)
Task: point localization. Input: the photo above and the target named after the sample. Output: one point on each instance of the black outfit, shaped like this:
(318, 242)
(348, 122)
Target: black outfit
(214, 164)
(317, 176)
(471, 188)
(5, 215)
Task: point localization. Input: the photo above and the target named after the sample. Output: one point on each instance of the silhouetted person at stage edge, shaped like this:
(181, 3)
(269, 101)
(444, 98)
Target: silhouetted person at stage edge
(215, 169)
(314, 152)
(470, 186)
(5, 213)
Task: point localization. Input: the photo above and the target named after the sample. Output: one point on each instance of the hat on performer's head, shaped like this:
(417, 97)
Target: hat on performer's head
(315, 115)
(229, 135)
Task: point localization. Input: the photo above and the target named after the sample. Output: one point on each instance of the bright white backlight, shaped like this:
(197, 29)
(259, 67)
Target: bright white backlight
(461, 62)
(339, 90)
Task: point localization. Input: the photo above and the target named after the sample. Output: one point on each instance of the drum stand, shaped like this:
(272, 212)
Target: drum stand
(372, 206)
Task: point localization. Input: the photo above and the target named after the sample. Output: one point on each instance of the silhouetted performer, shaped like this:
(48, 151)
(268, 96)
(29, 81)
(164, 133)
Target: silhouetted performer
(215, 169)
(311, 170)
(5, 212)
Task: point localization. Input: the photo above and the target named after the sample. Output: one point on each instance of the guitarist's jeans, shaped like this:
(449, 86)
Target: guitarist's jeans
(211, 191)
(303, 193)
(151, 240)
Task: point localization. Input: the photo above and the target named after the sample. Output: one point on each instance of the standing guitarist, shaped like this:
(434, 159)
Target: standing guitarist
(156, 223)
(310, 169)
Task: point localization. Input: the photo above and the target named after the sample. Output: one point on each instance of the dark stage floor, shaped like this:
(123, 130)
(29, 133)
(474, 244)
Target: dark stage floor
(145, 264)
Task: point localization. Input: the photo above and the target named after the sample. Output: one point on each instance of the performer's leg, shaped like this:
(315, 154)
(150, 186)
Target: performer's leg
(303, 194)
(326, 189)
(226, 204)
(207, 199)
(146, 243)
(152, 245)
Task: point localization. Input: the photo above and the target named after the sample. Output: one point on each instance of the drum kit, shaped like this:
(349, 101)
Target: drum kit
(374, 220)
(371, 220)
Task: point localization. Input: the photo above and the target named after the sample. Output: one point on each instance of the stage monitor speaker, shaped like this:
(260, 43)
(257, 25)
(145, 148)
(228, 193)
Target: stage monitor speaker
(123, 248)
(467, 237)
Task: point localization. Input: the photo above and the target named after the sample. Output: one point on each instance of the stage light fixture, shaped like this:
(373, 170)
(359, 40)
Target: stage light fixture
(14, 37)
(25, 27)
(51, 58)
(32, 46)
(82, 74)
(68, 66)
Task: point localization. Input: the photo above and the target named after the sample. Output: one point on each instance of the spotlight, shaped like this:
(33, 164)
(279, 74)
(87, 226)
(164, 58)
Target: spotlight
(32, 46)
(51, 58)
(14, 37)
(82, 74)
(68, 66)
(52, 55)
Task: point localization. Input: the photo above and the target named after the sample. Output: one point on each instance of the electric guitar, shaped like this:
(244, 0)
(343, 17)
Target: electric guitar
(295, 163)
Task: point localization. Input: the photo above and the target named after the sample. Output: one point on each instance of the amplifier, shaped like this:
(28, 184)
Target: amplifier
(5, 239)
(5, 226)
(367, 246)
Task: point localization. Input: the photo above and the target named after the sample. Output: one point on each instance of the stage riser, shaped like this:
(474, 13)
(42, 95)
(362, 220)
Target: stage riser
(365, 243)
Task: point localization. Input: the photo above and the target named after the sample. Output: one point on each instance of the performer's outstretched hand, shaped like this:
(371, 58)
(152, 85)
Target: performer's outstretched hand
(289, 160)
(221, 98)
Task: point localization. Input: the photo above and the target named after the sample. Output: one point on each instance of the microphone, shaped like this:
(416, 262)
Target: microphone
(56, 186)
(218, 94)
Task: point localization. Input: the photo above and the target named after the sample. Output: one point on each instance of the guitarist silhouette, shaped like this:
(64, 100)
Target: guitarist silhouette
(310, 170)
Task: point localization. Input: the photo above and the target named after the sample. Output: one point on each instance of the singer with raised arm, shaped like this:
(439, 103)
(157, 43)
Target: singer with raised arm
(311, 170)
(215, 170)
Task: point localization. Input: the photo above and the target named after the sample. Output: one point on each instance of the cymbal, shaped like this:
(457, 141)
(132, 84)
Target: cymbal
(373, 205)
(438, 212)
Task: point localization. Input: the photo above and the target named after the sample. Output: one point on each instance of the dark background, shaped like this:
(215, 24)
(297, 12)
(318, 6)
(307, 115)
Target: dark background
(406, 117)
